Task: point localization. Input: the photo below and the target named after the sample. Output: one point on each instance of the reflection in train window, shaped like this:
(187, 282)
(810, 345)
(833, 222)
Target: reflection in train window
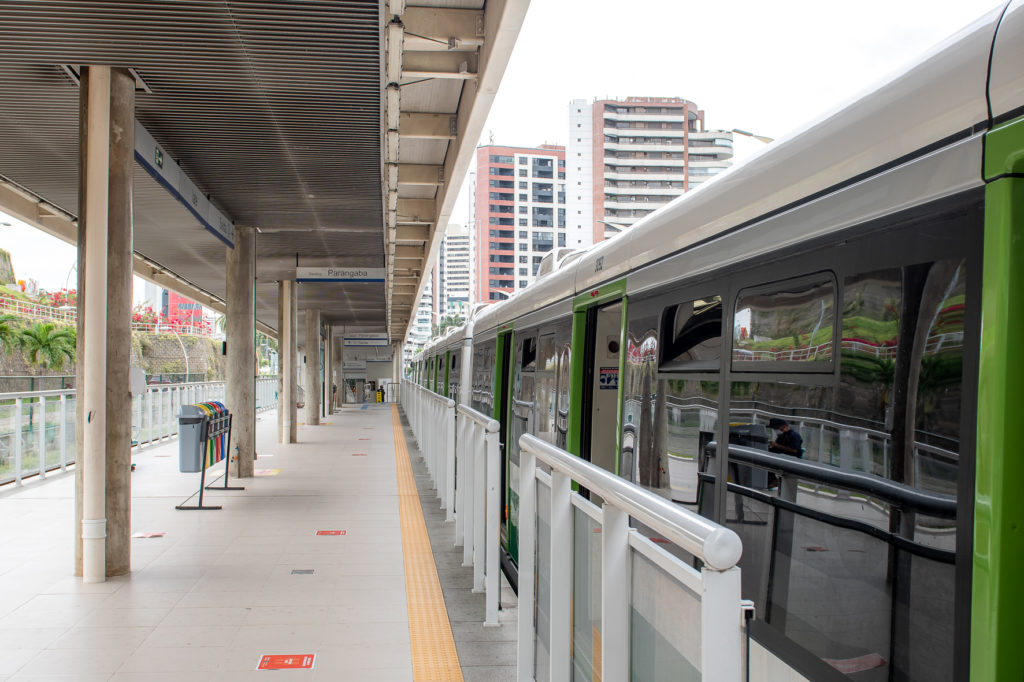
(547, 366)
(564, 388)
(784, 325)
(639, 400)
(859, 567)
(691, 333)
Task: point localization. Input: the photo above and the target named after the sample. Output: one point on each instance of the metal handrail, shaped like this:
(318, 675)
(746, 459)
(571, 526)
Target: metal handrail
(718, 547)
(932, 503)
(480, 418)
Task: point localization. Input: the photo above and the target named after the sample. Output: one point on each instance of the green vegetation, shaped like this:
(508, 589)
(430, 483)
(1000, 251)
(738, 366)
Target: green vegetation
(47, 345)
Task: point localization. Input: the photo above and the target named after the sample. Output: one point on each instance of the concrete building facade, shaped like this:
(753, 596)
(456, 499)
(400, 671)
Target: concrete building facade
(520, 215)
(455, 292)
(628, 157)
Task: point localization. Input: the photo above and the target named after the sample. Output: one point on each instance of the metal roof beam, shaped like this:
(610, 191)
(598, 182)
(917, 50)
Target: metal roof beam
(412, 234)
(416, 211)
(427, 126)
(434, 28)
(409, 253)
(420, 174)
(419, 65)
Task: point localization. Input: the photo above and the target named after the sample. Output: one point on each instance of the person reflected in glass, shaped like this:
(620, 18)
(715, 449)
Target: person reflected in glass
(787, 440)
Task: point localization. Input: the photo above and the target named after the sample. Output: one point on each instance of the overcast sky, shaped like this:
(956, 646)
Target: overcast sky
(765, 67)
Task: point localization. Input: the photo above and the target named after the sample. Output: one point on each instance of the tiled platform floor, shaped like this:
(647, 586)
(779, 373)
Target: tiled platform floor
(205, 601)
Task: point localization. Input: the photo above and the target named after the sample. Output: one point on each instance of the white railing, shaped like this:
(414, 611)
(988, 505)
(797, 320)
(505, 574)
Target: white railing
(699, 612)
(37, 428)
(478, 502)
(69, 315)
(466, 472)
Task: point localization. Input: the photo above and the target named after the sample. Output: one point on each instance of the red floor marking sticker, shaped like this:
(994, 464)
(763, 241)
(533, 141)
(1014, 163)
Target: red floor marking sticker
(364, 439)
(359, 454)
(286, 661)
(332, 532)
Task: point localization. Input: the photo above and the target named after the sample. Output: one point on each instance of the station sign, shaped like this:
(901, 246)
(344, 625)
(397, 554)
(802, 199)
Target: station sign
(303, 274)
(166, 171)
(372, 339)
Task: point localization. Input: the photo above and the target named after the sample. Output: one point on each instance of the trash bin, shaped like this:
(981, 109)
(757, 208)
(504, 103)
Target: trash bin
(192, 428)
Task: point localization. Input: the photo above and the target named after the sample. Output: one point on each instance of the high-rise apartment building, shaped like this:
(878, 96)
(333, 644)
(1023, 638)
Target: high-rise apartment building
(520, 215)
(628, 157)
(423, 322)
(455, 272)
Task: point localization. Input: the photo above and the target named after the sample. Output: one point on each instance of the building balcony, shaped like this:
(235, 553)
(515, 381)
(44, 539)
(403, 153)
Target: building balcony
(677, 115)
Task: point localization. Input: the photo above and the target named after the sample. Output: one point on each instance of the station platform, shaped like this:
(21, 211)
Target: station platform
(219, 590)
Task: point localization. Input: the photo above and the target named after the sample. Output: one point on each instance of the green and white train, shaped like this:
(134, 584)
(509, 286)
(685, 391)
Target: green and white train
(862, 280)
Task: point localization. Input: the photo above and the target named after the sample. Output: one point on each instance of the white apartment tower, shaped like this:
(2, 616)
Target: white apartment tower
(455, 269)
(628, 157)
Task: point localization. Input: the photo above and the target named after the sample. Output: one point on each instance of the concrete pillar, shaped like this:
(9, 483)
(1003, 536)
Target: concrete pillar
(396, 362)
(342, 386)
(326, 397)
(282, 317)
(103, 407)
(293, 359)
(312, 366)
(329, 369)
(288, 418)
(240, 330)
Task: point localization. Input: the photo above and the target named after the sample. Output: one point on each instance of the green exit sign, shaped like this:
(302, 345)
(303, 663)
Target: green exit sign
(159, 158)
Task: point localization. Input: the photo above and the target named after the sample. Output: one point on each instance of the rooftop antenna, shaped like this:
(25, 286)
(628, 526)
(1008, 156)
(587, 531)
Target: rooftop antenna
(490, 137)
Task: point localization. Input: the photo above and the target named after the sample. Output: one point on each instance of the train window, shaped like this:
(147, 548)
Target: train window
(547, 367)
(564, 388)
(883, 544)
(691, 335)
(639, 454)
(786, 326)
(528, 349)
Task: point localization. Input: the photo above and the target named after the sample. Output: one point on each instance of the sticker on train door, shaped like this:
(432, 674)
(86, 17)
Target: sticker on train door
(608, 379)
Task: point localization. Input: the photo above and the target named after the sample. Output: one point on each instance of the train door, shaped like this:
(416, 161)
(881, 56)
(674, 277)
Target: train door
(502, 376)
(522, 414)
(447, 364)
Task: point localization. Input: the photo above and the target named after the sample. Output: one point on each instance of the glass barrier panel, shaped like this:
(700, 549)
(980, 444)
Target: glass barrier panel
(69, 429)
(542, 669)
(665, 626)
(8, 432)
(51, 442)
(586, 587)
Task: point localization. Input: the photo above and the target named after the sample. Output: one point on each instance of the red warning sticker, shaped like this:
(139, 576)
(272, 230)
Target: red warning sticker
(332, 532)
(286, 661)
(359, 454)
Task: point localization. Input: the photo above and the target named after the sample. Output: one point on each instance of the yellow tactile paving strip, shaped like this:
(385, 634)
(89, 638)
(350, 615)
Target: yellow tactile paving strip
(433, 648)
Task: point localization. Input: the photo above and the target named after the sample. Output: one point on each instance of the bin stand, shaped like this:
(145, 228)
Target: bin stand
(202, 480)
(227, 465)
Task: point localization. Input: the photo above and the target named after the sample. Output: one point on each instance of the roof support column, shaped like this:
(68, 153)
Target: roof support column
(286, 409)
(396, 362)
(103, 410)
(241, 350)
(332, 387)
(313, 366)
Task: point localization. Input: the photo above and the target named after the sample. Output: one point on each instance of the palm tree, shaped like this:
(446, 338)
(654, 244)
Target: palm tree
(10, 332)
(48, 346)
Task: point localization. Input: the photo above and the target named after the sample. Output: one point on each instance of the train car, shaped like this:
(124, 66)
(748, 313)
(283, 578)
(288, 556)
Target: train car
(832, 288)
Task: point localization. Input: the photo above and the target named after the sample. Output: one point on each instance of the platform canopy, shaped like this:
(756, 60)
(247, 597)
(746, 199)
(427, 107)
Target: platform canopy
(340, 130)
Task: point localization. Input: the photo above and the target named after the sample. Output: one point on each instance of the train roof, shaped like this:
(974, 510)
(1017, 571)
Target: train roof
(938, 100)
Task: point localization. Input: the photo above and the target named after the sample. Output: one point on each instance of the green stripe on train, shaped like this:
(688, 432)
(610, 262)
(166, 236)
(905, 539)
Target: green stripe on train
(997, 629)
